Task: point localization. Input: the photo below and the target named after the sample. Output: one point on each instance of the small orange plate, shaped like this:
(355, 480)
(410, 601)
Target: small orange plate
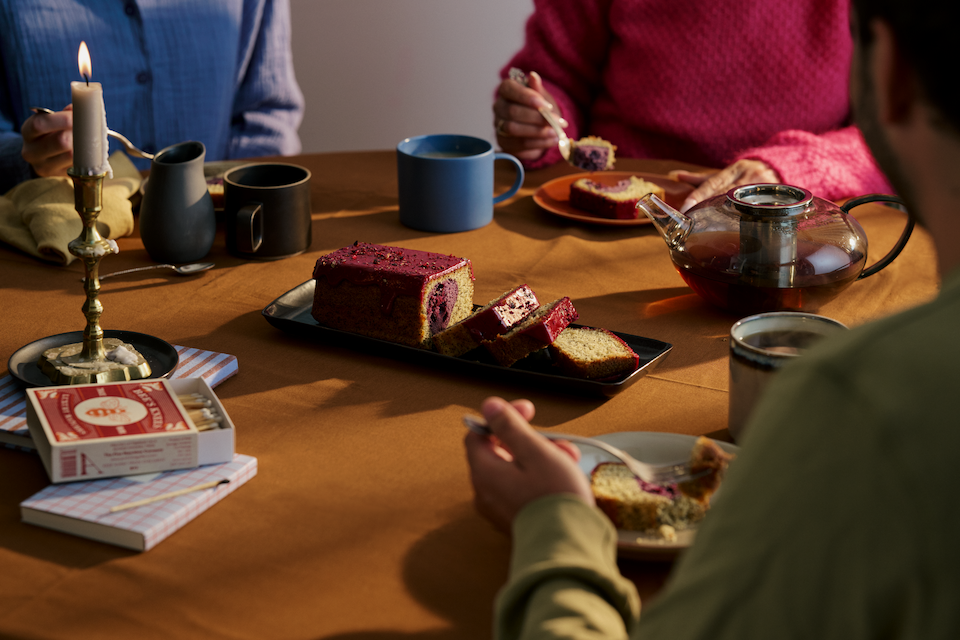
(554, 196)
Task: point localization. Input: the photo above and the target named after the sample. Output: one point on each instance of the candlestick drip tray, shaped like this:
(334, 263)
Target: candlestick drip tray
(161, 357)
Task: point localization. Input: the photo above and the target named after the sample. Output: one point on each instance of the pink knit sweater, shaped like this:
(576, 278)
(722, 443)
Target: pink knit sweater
(709, 83)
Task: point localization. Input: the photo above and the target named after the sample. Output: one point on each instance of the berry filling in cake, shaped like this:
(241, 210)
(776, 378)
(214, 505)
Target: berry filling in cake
(620, 187)
(440, 304)
(592, 153)
(591, 158)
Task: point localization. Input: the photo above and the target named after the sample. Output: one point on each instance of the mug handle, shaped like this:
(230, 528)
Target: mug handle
(901, 243)
(250, 228)
(516, 183)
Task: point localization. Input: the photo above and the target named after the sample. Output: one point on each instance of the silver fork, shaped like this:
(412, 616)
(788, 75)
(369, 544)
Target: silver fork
(654, 474)
(565, 145)
(122, 139)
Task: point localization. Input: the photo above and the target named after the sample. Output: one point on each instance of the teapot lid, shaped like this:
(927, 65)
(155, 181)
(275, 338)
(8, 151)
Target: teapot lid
(770, 200)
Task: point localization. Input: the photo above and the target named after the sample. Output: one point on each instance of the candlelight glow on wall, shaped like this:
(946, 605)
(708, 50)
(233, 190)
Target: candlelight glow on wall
(90, 144)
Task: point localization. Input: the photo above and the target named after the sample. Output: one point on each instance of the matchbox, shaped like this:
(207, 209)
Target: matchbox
(92, 431)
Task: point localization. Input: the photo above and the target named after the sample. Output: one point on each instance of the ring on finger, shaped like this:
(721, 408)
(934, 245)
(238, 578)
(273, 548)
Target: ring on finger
(499, 128)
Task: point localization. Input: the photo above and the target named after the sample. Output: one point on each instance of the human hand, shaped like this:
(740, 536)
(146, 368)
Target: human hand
(714, 183)
(521, 130)
(48, 142)
(518, 465)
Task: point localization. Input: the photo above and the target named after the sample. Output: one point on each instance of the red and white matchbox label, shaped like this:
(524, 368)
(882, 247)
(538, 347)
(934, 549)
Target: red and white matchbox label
(110, 411)
(92, 431)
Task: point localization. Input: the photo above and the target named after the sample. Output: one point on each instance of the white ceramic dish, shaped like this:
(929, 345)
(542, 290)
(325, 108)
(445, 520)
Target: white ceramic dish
(655, 448)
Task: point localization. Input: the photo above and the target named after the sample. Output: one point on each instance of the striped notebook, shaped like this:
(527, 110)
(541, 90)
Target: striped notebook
(194, 363)
(84, 508)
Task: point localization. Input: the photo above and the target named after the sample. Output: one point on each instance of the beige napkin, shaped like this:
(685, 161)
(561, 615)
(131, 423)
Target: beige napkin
(38, 216)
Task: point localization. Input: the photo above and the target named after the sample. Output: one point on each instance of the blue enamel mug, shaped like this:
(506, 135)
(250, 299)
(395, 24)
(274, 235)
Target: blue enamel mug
(446, 182)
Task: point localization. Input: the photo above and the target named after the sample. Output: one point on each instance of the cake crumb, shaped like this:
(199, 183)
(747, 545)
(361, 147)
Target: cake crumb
(668, 533)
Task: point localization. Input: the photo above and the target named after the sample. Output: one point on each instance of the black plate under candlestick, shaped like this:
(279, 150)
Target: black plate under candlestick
(160, 355)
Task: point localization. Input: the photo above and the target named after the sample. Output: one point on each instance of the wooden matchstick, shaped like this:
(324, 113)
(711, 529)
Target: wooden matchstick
(172, 494)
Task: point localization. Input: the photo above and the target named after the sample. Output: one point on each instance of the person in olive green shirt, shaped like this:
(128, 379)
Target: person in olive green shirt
(838, 519)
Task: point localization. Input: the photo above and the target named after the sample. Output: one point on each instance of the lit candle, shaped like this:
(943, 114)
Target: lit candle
(90, 145)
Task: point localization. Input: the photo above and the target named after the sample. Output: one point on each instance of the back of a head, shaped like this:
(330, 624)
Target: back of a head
(926, 33)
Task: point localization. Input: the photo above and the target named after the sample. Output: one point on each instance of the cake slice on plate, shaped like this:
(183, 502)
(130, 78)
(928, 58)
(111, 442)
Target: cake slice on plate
(635, 505)
(617, 201)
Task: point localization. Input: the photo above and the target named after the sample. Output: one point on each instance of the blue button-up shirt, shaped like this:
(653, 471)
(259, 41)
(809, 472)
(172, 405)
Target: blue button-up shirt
(217, 71)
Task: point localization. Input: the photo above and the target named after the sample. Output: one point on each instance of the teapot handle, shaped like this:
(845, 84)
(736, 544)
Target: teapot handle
(901, 243)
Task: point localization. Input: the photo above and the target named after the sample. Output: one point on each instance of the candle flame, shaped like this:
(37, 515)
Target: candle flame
(83, 61)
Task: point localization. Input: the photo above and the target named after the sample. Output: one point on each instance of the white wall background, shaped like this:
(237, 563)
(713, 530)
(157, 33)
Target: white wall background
(376, 71)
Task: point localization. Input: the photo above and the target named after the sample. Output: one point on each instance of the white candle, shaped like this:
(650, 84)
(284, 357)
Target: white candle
(90, 145)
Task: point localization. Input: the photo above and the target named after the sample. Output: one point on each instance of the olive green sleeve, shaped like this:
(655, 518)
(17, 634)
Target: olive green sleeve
(564, 581)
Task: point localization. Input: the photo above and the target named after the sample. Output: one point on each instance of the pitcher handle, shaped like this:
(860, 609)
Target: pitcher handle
(901, 243)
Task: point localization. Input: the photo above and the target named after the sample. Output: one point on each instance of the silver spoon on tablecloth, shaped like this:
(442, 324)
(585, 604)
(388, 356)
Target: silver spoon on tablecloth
(183, 270)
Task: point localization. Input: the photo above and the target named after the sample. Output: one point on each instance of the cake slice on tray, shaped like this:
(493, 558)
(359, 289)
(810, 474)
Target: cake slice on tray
(497, 317)
(586, 352)
(538, 330)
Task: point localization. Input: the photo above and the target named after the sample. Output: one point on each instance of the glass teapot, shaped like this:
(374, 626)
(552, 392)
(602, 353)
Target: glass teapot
(768, 247)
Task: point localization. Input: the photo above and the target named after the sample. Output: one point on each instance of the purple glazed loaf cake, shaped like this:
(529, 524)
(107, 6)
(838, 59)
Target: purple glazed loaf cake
(391, 293)
(536, 331)
(497, 317)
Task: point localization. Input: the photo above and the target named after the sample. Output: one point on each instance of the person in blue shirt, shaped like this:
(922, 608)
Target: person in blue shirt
(216, 71)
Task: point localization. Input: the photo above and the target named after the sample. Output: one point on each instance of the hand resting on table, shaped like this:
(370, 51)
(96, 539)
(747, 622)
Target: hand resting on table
(714, 183)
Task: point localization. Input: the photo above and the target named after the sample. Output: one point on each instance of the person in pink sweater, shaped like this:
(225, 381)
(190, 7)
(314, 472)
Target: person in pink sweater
(757, 87)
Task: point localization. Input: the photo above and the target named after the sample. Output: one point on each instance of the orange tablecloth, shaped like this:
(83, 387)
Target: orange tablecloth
(360, 523)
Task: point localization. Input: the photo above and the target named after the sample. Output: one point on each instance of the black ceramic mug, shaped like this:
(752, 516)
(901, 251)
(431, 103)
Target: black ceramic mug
(267, 208)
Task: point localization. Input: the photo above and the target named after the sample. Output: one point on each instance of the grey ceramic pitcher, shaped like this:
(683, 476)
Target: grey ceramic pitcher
(177, 222)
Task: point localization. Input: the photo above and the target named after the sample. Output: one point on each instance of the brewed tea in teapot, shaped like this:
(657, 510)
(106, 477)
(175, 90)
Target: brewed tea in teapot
(767, 247)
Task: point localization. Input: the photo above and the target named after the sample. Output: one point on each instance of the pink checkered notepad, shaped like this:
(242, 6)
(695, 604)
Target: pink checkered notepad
(194, 363)
(83, 508)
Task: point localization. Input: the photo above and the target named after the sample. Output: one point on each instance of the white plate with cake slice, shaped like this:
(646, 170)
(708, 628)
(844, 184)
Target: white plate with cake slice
(554, 196)
(655, 448)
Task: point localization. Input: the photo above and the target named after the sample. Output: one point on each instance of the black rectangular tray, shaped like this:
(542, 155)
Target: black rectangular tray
(291, 313)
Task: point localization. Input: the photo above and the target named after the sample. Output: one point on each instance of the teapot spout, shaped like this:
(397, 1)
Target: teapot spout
(672, 225)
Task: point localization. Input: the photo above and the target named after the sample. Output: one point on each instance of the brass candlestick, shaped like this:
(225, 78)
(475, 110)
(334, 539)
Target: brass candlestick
(96, 359)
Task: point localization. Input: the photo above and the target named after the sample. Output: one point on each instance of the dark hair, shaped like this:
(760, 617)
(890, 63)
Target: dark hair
(926, 31)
